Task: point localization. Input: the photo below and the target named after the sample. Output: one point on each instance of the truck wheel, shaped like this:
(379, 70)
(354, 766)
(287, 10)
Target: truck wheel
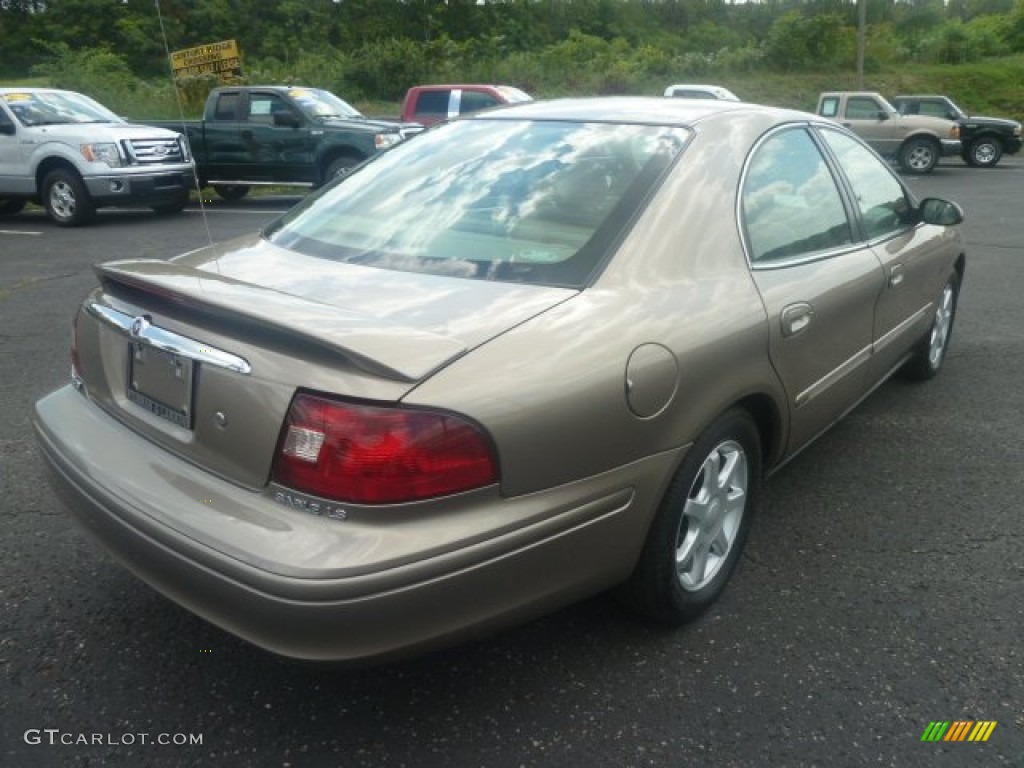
(10, 205)
(919, 156)
(231, 192)
(984, 152)
(340, 166)
(66, 199)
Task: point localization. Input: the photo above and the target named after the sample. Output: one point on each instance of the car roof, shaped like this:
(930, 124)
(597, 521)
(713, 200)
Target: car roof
(635, 109)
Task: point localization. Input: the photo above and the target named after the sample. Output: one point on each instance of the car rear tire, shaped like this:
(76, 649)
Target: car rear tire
(701, 525)
(10, 206)
(931, 350)
(984, 152)
(231, 192)
(66, 199)
(919, 156)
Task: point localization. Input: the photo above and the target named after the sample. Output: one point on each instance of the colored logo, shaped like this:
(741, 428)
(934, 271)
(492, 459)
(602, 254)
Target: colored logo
(958, 730)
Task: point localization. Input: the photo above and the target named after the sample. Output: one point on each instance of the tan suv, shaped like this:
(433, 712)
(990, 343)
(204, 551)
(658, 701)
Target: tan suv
(915, 142)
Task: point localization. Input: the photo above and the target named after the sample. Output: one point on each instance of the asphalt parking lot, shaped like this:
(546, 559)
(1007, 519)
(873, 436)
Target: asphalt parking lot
(881, 589)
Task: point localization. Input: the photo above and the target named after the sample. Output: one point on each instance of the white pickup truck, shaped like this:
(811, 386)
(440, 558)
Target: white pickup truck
(72, 155)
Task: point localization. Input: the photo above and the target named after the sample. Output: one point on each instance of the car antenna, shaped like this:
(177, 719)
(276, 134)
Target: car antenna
(181, 116)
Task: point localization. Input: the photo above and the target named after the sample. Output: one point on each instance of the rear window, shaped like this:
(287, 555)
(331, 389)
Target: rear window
(518, 201)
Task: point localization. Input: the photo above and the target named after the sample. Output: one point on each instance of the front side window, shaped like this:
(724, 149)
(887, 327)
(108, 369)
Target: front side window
(262, 107)
(791, 206)
(511, 200)
(883, 203)
(473, 101)
(934, 109)
(860, 108)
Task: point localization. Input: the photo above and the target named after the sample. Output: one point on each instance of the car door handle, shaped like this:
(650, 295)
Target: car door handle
(796, 318)
(896, 275)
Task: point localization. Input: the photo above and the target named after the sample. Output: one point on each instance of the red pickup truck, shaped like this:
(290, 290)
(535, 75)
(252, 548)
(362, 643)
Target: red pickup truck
(429, 104)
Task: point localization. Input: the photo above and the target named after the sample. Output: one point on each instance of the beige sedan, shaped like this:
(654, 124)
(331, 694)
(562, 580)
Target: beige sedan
(526, 357)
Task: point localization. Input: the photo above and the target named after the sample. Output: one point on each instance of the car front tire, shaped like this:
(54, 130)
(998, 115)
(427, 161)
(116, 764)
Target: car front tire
(701, 525)
(984, 152)
(340, 166)
(66, 199)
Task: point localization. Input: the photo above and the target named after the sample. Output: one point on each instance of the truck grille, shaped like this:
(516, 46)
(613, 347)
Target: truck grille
(151, 151)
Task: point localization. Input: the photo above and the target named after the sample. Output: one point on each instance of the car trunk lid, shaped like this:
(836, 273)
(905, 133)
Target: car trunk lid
(204, 354)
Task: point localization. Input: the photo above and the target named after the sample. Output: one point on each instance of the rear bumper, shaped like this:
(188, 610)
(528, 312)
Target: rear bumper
(431, 596)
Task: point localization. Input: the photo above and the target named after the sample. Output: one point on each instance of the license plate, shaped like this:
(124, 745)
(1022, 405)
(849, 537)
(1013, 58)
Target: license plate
(161, 382)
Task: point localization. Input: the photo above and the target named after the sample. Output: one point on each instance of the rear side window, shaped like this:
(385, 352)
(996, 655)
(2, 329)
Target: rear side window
(790, 201)
(227, 106)
(433, 104)
(829, 106)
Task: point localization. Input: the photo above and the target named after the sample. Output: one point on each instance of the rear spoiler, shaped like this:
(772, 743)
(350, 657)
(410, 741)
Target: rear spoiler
(375, 345)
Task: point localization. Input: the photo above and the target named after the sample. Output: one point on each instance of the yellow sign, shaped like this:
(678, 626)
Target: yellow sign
(220, 59)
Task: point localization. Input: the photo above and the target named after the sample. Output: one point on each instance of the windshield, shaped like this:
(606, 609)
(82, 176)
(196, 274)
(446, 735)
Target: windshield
(323, 104)
(509, 200)
(56, 107)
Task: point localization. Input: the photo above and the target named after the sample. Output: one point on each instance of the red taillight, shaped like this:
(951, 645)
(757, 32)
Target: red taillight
(370, 455)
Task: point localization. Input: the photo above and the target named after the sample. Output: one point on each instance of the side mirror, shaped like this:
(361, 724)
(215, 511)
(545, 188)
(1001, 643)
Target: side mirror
(935, 210)
(883, 115)
(7, 129)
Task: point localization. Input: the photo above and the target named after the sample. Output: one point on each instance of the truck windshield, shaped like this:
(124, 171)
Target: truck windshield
(56, 107)
(540, 202)
(322, 104)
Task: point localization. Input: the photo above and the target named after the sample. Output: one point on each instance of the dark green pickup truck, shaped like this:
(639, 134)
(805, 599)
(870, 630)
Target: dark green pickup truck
(280, 135)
